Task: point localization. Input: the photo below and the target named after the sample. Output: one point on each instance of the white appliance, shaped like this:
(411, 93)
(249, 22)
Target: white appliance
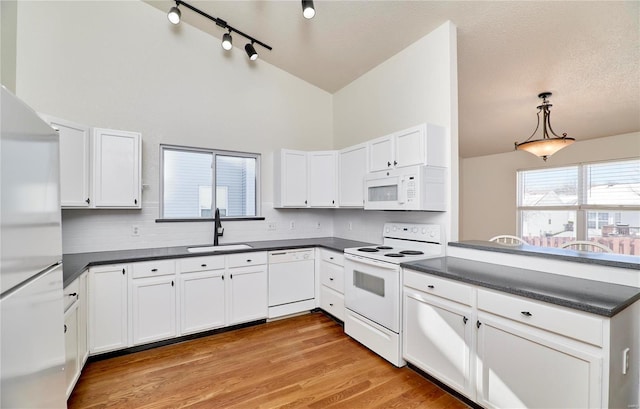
(409, 188)
(31, 307)
(291, 282)
(372, 289)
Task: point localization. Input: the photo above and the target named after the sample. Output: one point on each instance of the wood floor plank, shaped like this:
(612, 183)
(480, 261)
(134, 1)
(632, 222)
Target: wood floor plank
(299, 362)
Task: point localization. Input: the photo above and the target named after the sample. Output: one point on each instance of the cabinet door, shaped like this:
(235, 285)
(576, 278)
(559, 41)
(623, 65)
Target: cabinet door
(410, 147)
(74, 162)
(352, 167)
(202, 301)
(247, 294)
(437, 339)
(291, 169)
(154, 309)
(321, 182)
(116, 168)
(381, 154)
(519, 366)
(83, 345)
(108, 309)
(72, 365)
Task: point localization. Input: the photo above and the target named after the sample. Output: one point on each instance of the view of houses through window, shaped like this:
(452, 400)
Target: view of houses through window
(188, 177)
(593, 201)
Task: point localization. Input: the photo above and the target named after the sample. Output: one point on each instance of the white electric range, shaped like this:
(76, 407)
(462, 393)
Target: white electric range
(373, 285)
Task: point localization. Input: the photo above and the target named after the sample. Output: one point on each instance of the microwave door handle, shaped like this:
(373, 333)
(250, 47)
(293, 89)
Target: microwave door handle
(402, 191)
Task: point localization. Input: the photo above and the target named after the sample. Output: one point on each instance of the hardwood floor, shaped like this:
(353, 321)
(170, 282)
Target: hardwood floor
(300, 362)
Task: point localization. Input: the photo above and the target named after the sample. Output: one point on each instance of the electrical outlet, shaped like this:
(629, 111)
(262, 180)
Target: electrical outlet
(135, 230)
(317, 225)
(272, 226)
(625, 361)
(292, 225)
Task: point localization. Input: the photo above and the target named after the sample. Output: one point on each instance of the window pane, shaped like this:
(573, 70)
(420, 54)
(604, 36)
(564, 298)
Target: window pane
(236, 176)
(618, 230)
(548, 228)
(549, 187)
(615, 183)
(187, 184)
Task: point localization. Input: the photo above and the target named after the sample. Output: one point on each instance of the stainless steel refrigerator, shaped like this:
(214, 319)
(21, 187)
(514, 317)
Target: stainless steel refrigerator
(31, 307)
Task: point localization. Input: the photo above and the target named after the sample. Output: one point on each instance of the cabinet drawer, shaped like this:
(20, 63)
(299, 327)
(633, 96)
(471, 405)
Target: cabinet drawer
(332, 257)
(153, 268)
(571, 323)
(71, 294)
(332, 302)
(246, 259)
(332, 276)
(441, 287)
(187, 265)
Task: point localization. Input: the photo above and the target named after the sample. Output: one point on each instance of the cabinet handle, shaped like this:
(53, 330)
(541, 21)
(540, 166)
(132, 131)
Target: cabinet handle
(65, 328)
(72, 294)
(231, 276)
(203, 265)
(431, 286)
(135, 201)
(222, 276)
(171, 283)
(388, 164)
(464, 320)
(305, 202)
(249, 260)
(330, 304)
(526, 313)
(123, 271)
(153, 270)
(330, 258)
(395, 163)
(478, 323)
(333, 202)
(88, 201)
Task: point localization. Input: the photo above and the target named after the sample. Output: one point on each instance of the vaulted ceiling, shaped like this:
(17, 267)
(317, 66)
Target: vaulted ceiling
(586, 53)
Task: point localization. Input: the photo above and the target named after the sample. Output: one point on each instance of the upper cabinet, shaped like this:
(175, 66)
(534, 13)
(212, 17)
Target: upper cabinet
(321, 180)
(305, 179)
(116, 168)
(74, 162)
(99, 168)
(420, 145)
(352, 167)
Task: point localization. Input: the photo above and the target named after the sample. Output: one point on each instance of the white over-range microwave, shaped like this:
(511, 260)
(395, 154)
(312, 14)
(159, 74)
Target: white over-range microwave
(409, 188)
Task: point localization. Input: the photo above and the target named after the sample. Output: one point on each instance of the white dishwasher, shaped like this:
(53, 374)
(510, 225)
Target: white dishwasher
(291, 282)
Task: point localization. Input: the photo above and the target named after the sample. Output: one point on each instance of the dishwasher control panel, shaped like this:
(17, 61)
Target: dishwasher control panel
(288, 256)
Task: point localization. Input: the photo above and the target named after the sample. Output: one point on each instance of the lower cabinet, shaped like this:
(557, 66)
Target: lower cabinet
(108, 308)
(247, 294)
(202, 301)
(153, 309)
(72, 359)
(331, 267)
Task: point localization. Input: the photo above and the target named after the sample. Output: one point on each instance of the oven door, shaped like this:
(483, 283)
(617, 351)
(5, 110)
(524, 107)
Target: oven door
(372, 289)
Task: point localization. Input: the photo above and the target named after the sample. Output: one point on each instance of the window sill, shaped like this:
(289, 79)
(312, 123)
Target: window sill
(210, 220)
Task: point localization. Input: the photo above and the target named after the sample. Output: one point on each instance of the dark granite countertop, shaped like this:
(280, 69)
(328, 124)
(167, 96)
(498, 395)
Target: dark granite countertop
(595, 297)
(587, 257)
(74, 264)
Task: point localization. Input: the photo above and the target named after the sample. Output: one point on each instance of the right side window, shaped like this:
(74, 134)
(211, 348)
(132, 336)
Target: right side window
(597, 202)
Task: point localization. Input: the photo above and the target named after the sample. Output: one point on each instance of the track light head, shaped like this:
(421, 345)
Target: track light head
(174, 15)
(308, 11)
(251, 52)
(227, 41)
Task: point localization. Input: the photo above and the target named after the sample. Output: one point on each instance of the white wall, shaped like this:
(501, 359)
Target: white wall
(419, 84)
(488, 184)
(122, 65)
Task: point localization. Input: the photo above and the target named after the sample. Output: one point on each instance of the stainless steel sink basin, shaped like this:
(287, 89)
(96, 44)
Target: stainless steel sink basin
(210, 249)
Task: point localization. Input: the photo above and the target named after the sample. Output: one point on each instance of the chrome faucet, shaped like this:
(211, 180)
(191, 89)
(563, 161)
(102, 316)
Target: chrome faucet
(218, 231)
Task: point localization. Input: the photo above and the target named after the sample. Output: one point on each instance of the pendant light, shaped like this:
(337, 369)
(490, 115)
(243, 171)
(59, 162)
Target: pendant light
(174, 15)
(308, 11)
(251, 52)
(545, 146)
(227, 41)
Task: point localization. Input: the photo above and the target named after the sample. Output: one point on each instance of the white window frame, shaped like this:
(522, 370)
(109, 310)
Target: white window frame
(215, 153)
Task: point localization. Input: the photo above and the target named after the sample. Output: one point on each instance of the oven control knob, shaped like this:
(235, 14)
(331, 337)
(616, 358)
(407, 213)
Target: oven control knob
(424, 230)
(387, 230)
(414, 230)
(395, 228)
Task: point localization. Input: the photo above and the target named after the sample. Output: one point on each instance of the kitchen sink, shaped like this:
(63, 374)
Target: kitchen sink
(210, 249)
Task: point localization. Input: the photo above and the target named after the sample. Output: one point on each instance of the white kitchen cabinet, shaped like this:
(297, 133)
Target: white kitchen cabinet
(419, 145)
(247, 287)
(322, 182)
(116, 169)
(331, 268)
(72, 359)
(352, 167)
(153, 309)
(108, 308)
(290, 178)
(74, 162)
(202, 293)
(83, 316)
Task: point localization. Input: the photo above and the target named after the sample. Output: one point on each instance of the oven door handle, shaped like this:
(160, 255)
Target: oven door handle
(371, 262)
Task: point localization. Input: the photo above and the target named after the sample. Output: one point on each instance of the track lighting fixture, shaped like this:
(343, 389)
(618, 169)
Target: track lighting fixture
(174, 14)
(174, 17)
(308, 11)
(227, 43)
(251, 52)
(545, 146)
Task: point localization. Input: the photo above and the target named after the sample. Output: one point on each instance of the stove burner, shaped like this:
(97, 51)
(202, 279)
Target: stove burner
(384, 248)
(368, 250)
(411, 252)
(394, 255)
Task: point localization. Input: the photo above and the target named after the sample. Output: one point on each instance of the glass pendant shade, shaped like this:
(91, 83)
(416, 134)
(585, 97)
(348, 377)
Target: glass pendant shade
(174, 15)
